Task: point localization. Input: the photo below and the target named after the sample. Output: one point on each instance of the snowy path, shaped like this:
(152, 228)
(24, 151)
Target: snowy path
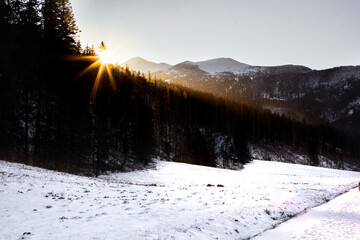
(171, 201)
(337, 219)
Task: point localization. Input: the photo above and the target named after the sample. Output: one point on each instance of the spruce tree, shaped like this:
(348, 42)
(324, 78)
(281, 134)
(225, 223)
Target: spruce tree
(60, 29)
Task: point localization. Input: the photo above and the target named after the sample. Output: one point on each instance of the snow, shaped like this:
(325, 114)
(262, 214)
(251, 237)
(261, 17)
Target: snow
(353, 107)
(337, 219)
(219, 65)
(169, 201)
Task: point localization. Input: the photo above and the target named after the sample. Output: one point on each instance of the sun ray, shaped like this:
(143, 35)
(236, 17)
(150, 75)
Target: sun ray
(111, 78)
(93, 65)
(96, 84)
(103, 61)
(82, 58)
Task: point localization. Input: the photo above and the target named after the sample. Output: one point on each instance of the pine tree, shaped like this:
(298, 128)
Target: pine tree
(50, 21)
(60, 29)
(30, 16)
(241, 147)
(4, 14)
(102, 46)
(68, 28)
(89, 51)
(15, 7)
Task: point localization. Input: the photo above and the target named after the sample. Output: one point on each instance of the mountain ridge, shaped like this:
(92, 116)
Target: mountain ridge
(139, 60)
(297, 91)
(143, 65)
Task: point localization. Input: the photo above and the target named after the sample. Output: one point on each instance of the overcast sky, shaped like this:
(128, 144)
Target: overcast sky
(315, 33)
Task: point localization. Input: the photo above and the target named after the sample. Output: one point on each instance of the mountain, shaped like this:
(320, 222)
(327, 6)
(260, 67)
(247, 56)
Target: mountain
(142, 65)
(330, 95)
(219, 65)
(212, 66)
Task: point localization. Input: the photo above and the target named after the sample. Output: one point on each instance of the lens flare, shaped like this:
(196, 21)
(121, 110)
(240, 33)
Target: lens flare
(105, 57)
(103, 61)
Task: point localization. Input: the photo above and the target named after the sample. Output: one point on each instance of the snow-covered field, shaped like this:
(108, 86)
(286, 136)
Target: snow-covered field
(171, 201)
(337, 220)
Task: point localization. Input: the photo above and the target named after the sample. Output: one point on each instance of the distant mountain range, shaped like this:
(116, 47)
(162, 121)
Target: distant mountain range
(142, 65)
(332, 95)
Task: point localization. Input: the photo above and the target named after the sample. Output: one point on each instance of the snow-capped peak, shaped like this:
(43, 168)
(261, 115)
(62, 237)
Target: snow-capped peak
(218, 65)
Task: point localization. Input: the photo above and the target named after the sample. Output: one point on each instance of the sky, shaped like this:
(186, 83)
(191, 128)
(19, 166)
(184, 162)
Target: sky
(315, 33)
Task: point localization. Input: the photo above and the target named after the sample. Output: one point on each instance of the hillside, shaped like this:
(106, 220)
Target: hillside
(170, 200)
(330, 95)
(70, 109)
(297, 91)
(129, 118)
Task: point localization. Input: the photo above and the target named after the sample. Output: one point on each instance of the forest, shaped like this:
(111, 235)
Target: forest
(49, 118)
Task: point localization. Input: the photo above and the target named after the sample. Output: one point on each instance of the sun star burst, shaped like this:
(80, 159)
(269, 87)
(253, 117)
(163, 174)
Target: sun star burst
(103, 61)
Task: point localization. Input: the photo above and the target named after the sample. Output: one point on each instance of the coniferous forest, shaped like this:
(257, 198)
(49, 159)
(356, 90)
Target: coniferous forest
(49, 117)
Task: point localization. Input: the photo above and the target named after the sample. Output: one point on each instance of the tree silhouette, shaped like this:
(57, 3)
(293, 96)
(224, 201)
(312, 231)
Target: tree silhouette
(60, 27)
(102, 46)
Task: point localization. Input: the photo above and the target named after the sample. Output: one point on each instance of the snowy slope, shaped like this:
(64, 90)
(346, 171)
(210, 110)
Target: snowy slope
(170, 201)
(337, 219)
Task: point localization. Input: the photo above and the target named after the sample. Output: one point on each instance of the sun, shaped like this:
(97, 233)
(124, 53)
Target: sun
(105, 57)
(104, 54)
(104, 62)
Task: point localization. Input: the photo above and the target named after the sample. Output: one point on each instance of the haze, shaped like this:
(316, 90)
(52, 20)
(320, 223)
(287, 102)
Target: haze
(318, 34)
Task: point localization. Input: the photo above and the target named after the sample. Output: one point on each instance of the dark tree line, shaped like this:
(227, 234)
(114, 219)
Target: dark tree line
(34, 35)
(46, 118)
(180, 110)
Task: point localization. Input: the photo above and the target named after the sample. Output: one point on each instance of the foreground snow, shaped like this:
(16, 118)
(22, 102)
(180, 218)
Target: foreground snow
(337, 219)
(171, 201)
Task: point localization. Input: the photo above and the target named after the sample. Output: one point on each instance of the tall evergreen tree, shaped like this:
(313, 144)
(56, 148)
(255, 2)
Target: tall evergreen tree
(30, 16)
(60, 27)
(15, 9)
(68, 28)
